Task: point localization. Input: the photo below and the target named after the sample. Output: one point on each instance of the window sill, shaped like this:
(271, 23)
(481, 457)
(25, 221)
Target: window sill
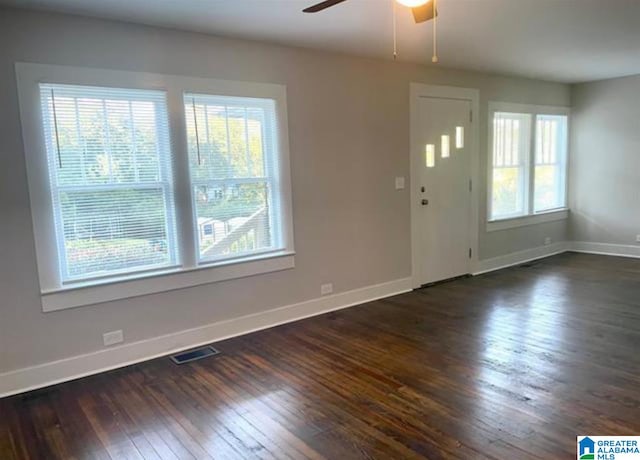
(523, 221)
(82, 295)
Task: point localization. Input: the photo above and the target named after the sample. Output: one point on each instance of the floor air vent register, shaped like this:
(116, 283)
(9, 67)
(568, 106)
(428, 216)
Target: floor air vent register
(194, 355)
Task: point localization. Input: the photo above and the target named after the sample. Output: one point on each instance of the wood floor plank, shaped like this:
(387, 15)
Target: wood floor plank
(511, 364)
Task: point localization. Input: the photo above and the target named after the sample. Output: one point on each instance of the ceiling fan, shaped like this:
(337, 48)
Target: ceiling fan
(422, 10)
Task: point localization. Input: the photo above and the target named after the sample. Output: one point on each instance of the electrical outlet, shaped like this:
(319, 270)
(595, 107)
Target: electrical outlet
(326, 289)
(113, 337)
(547, 241)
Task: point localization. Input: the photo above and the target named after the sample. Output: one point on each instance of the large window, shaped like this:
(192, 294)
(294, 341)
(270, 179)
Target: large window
(232, 156)
(111, 183)
(142, 183)
(511, 134)
(550, 162)
(528, 161)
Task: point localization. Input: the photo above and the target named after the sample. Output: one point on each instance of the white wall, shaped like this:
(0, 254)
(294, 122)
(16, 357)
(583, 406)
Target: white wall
(605, 162)
(349, 138)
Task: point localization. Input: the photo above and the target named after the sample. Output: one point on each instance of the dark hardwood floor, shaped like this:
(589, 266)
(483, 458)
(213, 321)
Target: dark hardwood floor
(509, 365)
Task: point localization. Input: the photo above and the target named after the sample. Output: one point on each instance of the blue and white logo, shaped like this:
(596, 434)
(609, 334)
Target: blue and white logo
(586, 448)
(608, 447)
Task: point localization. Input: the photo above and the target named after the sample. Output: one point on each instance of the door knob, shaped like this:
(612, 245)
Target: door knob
(425, 202)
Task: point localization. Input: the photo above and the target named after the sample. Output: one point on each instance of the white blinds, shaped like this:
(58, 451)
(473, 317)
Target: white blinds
(511, 139)
(109, 164)
(550, 160)
(233, 158)
(549, 138)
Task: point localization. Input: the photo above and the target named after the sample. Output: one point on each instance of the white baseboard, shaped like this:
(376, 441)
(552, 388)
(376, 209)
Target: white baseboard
(587, 247)
(63, 370)
(520, 257)
(606, 249)
(31, 378)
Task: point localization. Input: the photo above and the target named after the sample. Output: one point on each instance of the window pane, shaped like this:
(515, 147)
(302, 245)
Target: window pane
(430, 155)
(232, 157)
(444, 147)
(232, 219)
(507, 192)
(550, 161)
(113, 231)
(111, 183)
(459, 137)
(102, 141)
(546, 196)
(511, 135)
(225, 141)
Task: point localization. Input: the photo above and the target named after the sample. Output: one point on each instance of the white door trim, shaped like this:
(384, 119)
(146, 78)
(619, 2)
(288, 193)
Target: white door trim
(418, 90)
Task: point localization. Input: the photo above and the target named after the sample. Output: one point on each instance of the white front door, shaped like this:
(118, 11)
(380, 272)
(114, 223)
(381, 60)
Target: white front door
(444, 188)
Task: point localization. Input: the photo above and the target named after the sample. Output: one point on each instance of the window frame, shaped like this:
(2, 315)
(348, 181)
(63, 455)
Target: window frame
(165, 185)
(523, 167)
(560, 163)
(529, 217)
(270, 178)
(54, 294)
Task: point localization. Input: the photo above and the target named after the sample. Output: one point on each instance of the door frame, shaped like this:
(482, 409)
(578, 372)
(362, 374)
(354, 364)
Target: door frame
(418, 90)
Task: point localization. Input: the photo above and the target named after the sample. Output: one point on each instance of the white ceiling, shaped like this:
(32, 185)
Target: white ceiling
(561, 40)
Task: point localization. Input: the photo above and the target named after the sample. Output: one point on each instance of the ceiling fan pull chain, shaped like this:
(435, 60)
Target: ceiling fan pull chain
(395, 37)
(434, 58)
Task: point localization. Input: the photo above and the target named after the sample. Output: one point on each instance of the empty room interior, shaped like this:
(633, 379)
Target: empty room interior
(349, 229)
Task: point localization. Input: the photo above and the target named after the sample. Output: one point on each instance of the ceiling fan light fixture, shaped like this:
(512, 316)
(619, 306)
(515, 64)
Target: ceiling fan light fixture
(413, 3)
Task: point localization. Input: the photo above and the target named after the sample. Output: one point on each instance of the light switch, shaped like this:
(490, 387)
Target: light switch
(399, 183)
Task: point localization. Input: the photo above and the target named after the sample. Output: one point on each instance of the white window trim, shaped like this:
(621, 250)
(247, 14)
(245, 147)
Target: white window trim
(523, 221)
(54, 295)
(271, 178)
(532, 218)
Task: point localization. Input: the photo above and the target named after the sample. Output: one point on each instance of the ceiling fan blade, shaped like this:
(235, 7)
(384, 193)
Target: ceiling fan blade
(423, 13)
(322, 6)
